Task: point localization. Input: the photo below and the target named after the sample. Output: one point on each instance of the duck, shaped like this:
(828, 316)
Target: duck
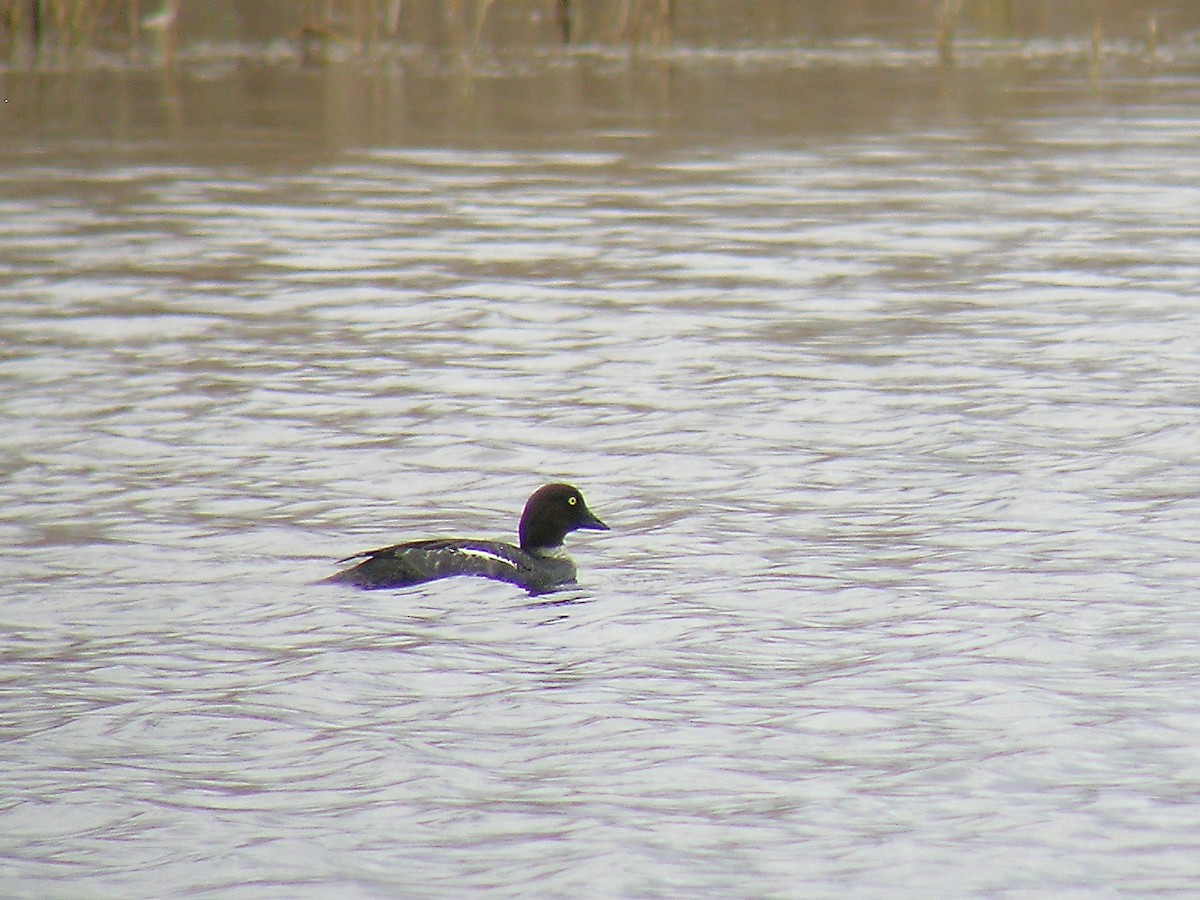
(539, 564)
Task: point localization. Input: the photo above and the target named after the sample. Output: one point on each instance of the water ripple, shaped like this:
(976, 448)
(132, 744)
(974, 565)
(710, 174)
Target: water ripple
(895, 434)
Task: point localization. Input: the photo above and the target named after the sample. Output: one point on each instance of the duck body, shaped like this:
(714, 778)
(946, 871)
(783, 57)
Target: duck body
(539, 564)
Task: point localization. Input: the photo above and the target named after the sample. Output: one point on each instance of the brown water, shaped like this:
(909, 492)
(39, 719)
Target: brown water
(885, 378)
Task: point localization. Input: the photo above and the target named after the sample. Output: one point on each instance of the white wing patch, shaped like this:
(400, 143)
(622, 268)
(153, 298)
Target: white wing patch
(485, 554)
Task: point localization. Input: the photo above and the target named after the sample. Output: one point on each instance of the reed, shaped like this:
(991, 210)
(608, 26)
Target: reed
(469, 25)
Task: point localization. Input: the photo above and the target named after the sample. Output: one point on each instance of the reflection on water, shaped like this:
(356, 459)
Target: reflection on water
(893, 418)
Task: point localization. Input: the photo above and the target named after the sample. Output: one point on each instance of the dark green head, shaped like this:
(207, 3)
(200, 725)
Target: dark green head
(551, 513)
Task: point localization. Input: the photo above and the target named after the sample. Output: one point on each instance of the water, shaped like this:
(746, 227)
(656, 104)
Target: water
(887, 388)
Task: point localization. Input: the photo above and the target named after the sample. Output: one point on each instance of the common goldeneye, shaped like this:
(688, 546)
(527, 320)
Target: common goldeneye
(539, 565)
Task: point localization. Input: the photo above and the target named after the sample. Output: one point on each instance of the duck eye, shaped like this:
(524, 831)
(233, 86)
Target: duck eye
(572, 500)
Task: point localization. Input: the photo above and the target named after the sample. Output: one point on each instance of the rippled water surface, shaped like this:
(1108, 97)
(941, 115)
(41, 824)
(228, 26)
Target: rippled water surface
(894, 422)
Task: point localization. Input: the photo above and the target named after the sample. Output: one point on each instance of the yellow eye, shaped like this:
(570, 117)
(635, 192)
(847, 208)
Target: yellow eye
(572, 500)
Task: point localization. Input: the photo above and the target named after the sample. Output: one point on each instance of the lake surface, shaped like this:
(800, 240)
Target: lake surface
(885, 377)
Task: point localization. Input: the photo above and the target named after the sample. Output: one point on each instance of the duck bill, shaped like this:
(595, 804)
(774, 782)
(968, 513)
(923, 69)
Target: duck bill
(592, 523)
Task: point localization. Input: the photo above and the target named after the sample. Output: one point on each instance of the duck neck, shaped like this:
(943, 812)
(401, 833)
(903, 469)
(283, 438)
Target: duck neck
(558, 552)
